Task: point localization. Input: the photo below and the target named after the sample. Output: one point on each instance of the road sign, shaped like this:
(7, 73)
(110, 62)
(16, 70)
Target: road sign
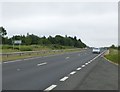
(17, 42)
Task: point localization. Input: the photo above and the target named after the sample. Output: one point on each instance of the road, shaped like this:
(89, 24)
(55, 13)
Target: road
(58, 72)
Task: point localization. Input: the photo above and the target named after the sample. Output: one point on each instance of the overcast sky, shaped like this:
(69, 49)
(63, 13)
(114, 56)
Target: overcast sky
(95, 23)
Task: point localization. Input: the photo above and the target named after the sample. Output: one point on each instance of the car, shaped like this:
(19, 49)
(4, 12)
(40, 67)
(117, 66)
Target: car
(96, 50)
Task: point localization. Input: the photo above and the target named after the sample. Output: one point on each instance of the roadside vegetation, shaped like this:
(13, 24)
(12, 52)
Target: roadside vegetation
(10, 48)
(31, 42)
(114, 55)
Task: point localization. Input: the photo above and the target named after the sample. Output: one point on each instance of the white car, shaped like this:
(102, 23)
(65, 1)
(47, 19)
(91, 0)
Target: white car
(96, 50)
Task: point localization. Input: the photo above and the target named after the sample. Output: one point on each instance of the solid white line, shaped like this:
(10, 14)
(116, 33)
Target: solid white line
(73, 72)
(83, 65)
(42, 64)
(63, 79)
(79, 69)
(27, 59)
(50, 88)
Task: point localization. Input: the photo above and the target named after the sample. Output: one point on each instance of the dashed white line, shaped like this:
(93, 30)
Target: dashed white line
(83, 65)
(42, 64)
(63, 79)
(89, 62)
(67, 57)
(73, 72)
(50, 88)
(86, 63)
(78, 69)
(18, 69)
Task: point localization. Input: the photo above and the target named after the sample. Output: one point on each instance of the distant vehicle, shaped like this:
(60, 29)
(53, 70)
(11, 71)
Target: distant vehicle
(96, 50)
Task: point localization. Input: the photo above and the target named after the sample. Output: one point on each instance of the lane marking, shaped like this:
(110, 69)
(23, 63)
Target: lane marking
(78, 68)
(50, 88)
(18, 69)
(67, 57)
(83, 65)
(12, 61)
(42, 64)
(86, 63)
(89, 62)
(63, 79)
(27, 59)
(96, 57)
(73, 72)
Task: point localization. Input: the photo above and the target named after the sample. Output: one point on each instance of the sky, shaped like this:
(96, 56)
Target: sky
(95, 23)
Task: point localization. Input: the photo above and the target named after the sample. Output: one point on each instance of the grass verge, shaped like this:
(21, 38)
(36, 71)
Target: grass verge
(113, 56)
(15, 57)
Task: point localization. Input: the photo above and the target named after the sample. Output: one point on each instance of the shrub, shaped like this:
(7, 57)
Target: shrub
(7, 47)
(25, 48)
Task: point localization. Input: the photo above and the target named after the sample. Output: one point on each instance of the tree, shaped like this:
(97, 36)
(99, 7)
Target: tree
(2, 31)
(113, 46)
(28, 40)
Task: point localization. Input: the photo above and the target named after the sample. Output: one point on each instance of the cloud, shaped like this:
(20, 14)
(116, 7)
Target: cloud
(95, 23)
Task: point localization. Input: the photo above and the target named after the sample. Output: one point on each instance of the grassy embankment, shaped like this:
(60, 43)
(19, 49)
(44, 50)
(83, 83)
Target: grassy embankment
(113, 56)
(49, 48)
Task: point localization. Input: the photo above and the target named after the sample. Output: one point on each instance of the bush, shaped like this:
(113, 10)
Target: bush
(25, 48)
(57, 47)
(7, 47)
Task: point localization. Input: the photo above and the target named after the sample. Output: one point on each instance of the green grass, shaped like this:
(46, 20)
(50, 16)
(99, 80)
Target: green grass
(15, 57)
(113, 55)
(9, 49)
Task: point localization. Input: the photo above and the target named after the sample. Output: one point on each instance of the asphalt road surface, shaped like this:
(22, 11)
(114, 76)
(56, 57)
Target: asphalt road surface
(71, 71)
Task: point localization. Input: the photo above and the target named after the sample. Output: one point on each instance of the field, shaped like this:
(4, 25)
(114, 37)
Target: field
(113, 55)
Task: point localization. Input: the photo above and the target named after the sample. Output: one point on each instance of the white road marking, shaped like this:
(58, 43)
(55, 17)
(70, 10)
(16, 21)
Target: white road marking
(67, 57)
(27, 59)
(96, 57)
(18, 69)
(42, 64)
(83, 65)
(50, 88)
(12, 61)
(73, 72)
(89, 62)
(86, 63)
(63, 79)
(79, 68)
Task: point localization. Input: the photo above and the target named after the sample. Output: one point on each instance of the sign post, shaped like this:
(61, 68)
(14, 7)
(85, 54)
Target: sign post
(18, 42)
